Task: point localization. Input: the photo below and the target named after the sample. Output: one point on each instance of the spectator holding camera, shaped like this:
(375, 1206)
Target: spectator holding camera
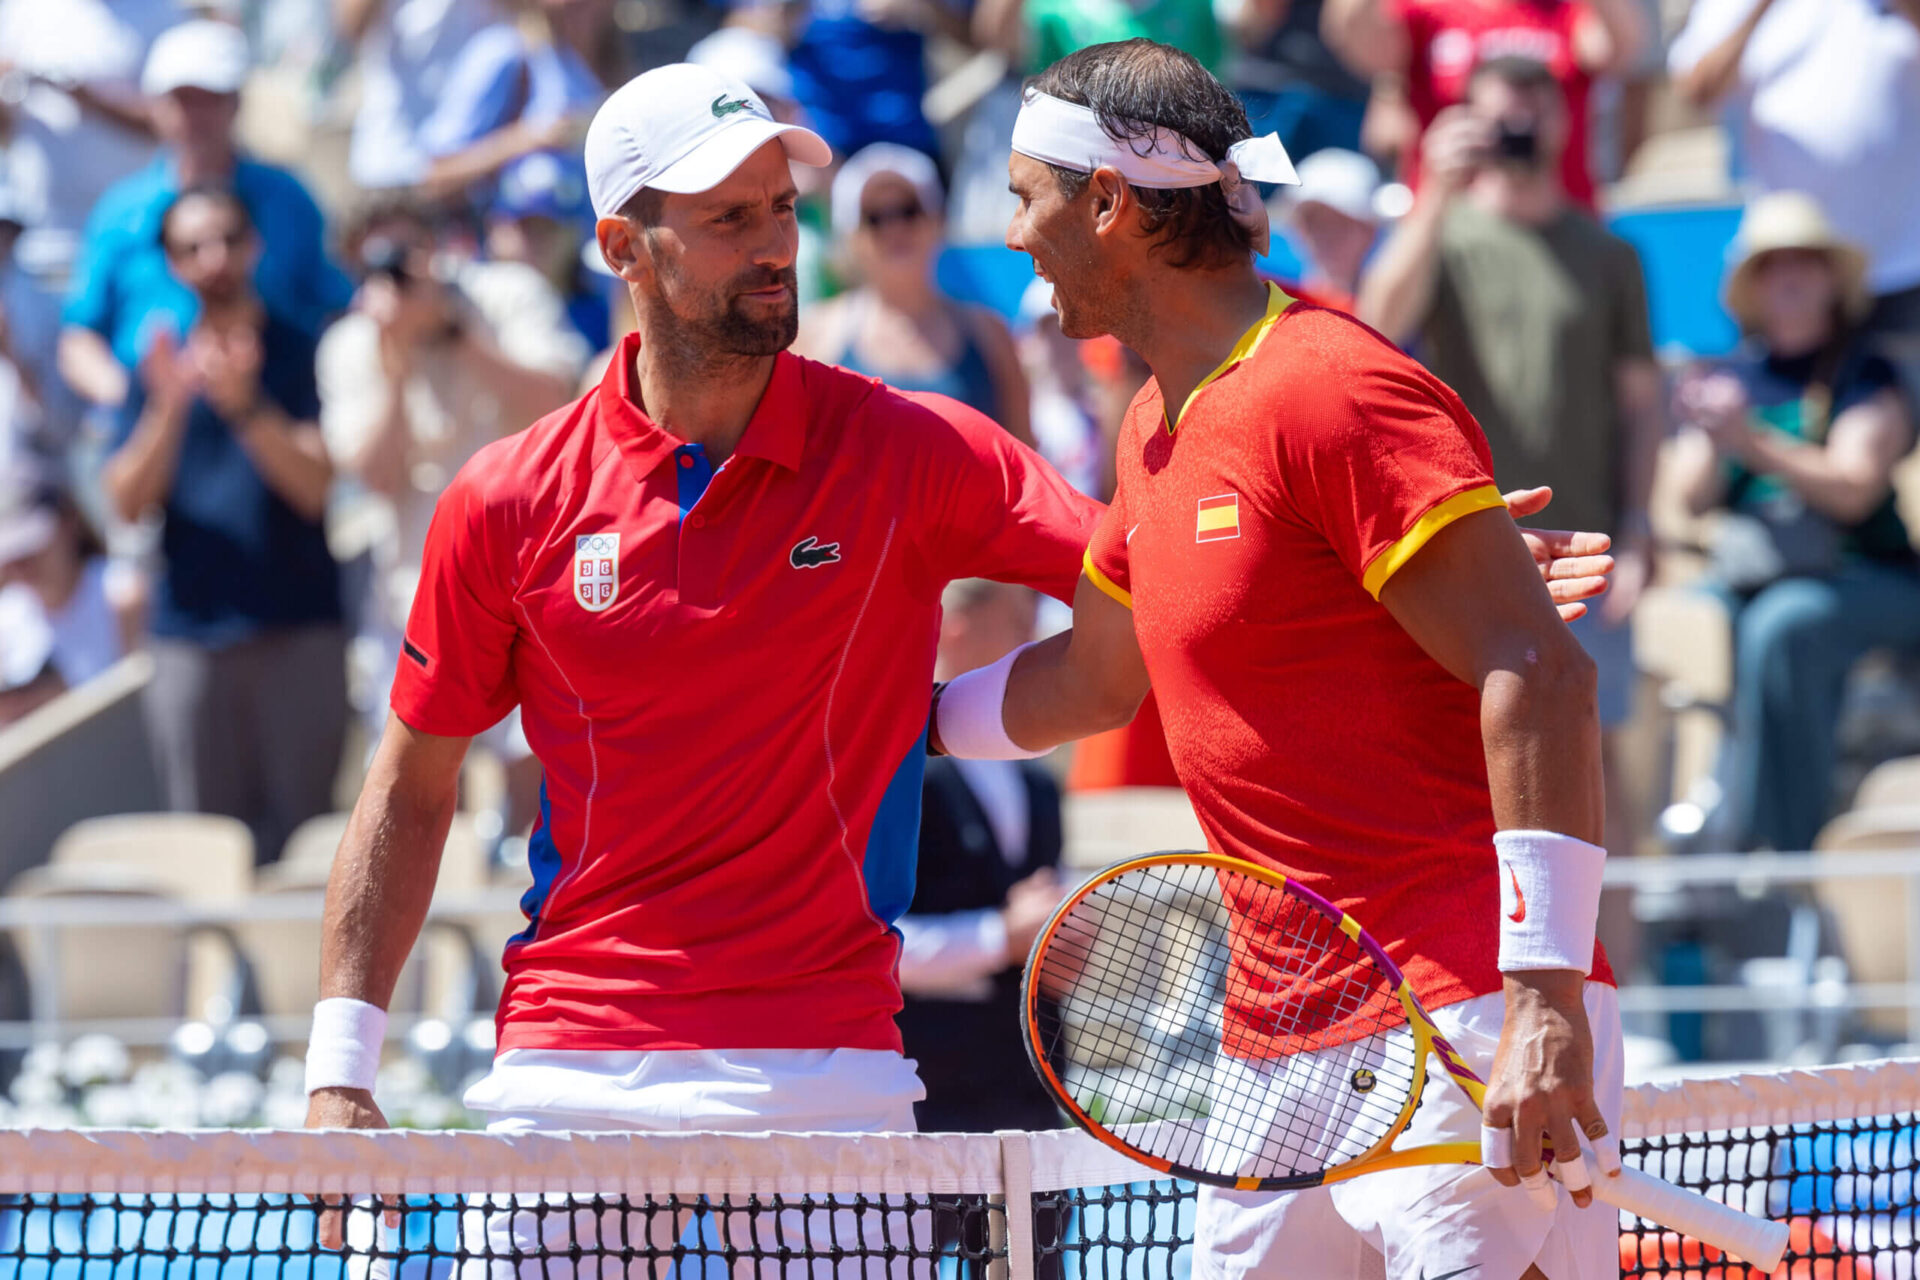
(220, 435)
(434, 361)
(1421, 54)
(1792, 443)
(1537, 316)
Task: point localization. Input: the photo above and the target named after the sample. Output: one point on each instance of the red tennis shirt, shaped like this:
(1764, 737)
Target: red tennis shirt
(724, 673)
(1251, 541)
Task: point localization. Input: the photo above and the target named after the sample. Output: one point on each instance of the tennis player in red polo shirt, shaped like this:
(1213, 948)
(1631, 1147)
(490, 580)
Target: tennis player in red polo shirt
(1362, 681)
(712, 585)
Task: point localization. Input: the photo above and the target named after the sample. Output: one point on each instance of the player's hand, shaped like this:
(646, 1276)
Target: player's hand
(1572, 563)
(342, 1109)
(1030, 904)
(1542, 1082)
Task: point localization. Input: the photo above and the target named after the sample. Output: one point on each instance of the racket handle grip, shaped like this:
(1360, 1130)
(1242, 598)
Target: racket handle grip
(1758, 1242)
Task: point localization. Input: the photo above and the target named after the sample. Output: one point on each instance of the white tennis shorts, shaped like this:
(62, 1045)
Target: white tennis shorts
(739, 1090)
(1428, 1222)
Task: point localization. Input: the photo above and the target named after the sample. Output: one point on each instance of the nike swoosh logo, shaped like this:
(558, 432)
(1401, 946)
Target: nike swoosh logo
(1130, 534)
(1448, 1275)
(1518, 914)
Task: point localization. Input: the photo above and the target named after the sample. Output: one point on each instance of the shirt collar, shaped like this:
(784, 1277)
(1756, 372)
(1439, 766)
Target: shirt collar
(777, 431)
(1277, 303)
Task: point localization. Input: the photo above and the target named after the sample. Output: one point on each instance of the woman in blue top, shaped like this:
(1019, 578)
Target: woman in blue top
(1794, 442)
(896, 324)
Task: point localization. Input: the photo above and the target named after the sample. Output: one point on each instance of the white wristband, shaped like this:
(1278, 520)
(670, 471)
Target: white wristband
(969, 714)
(344, 1050)
(1549, 900)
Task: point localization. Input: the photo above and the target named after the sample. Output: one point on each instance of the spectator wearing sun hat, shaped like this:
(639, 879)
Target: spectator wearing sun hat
(896, 324)
(1793, 442)
(122, 290)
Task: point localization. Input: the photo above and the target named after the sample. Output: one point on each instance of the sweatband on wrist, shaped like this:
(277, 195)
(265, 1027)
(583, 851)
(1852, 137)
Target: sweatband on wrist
(1549, 900)
(968, 714)
(344, 1050)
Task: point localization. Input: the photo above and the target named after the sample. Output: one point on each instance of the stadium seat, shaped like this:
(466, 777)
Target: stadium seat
(1104, 827)
(135, 971)
(1871, 914)
(200, 857)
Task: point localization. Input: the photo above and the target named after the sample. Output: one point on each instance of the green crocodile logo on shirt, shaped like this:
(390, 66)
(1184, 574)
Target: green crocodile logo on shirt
(722, 108)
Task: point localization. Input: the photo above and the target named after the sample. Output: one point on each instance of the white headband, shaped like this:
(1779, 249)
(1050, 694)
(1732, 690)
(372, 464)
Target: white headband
(1069, 135)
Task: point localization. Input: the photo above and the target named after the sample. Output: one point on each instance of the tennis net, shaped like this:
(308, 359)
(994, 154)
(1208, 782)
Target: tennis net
(1831, 1151)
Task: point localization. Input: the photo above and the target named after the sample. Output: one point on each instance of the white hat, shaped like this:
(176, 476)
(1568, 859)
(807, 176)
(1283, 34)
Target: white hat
(868, 163)
(1344, 181)
(1790, 220)
(682, 128)
(202, 54)
(754, 58)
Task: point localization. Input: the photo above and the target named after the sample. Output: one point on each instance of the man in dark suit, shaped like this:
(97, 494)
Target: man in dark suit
(989, 843)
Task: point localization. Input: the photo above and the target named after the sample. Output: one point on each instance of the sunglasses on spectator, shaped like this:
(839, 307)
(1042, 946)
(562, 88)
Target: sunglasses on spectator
(902, 213)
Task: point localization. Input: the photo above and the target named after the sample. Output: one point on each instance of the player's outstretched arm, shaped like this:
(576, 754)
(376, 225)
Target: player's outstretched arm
(377, 899)
(1088, 679)
(1474, 600)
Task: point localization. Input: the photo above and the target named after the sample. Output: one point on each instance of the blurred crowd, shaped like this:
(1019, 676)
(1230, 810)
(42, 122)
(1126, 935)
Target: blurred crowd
(271, 271)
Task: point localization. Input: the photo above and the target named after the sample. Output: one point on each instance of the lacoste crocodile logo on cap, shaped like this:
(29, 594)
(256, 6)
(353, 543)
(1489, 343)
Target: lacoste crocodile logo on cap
(723, 108)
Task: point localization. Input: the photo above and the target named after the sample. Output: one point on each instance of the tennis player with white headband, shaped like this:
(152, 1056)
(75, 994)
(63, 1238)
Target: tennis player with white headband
(1364, 683)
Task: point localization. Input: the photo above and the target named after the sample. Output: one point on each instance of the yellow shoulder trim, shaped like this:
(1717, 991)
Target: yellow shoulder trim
(1107, 585)
(1395, 557)
(1277, 302)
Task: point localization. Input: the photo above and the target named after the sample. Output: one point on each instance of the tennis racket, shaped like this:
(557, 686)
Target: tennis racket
(1217, 1022)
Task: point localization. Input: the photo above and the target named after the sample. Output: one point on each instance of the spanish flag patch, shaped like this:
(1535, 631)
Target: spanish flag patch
(1219, 518)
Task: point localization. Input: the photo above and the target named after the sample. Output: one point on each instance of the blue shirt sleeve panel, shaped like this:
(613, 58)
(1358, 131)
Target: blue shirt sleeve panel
(484, 91)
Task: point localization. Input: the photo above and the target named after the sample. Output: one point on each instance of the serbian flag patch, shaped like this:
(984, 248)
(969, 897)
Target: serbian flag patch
(1219, 518)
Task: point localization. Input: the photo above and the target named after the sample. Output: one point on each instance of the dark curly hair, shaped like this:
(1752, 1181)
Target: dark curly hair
(1133, 86)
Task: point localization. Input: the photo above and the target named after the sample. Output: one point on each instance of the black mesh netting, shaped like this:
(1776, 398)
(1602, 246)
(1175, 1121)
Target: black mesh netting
(1847, 1190)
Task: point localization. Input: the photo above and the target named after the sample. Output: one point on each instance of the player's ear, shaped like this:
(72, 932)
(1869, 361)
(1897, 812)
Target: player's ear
(1108, 199)
(624, 248)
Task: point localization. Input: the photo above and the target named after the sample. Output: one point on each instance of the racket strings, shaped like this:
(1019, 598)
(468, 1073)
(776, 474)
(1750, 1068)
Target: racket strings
(1221, 1023)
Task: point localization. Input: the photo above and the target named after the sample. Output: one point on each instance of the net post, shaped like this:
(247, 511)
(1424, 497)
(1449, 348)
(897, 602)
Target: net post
(1016, 1202)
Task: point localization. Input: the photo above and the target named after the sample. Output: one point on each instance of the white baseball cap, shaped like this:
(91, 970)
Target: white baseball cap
(682, 128)
(1344, 181)
(202, 54)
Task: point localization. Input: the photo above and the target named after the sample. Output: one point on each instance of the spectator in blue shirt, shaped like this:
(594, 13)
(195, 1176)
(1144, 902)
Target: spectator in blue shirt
(860, 69)
(247, 710)
(122, 290)
(520, 92)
